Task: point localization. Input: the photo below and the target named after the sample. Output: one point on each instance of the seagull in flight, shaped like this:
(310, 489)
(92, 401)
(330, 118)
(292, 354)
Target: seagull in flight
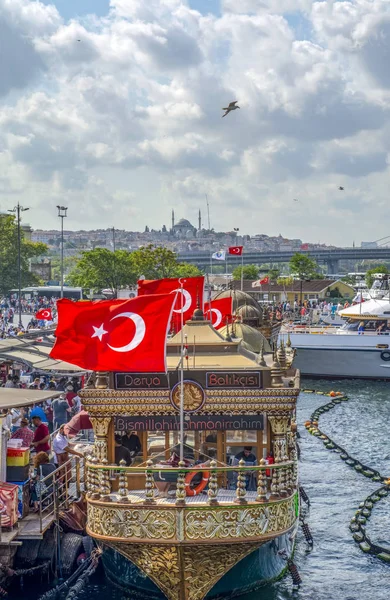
(295, 200)
(232, 106)
(341, 188)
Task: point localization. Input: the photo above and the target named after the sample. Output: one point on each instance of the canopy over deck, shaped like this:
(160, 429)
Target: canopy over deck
(35, 355)
(14, 398)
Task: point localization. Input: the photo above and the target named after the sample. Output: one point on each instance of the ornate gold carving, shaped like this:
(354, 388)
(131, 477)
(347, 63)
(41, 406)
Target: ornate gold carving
(205, 565)
(153, 523)
(185, 573)
(157, 524)
(104, 403)
(160, 563)
(193, 396)
(279, 424)
(100, 425)
(227, 523)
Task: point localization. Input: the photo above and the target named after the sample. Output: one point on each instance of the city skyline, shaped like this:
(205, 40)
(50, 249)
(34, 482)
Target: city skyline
(113, 109)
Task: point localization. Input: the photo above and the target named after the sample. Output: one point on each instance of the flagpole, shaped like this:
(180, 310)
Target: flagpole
(211, 263)
(226, 255)
(242, 270)
(182, 377)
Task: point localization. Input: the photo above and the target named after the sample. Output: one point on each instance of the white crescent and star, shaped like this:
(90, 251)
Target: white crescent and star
(140, 330)
(46, 313)
(218, 315)
(187, 300)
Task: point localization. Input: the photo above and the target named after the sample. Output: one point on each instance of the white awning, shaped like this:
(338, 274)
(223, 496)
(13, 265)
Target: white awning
(13, 398)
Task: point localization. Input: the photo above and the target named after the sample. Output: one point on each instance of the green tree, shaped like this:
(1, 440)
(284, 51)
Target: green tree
(369, 274)
(9, 255)
(304, 267)
(348, 279)
(273, 274)
(157, 262)
(69, 263)
(187, 270)
(249, 272)
(100, 269)
(154, 262)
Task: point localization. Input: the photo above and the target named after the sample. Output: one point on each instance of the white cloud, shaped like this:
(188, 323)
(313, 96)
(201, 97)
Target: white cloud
(126, 122)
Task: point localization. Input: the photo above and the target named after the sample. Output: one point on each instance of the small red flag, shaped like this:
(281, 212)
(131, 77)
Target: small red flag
(114, 335)
(219, 311)
(260, 282)
(187, 301)
(45, 314)
(237, 250)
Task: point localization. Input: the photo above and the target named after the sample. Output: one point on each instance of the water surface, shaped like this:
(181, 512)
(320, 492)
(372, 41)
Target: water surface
(336, 569)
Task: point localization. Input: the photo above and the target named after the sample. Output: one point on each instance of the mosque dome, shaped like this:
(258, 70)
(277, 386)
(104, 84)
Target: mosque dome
(251, 338)
(239, 298)
(183, 224)
(249, 312)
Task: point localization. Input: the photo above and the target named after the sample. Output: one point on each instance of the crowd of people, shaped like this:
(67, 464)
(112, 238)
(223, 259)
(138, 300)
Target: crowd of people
(288, 310)
(9, 309)
(35, 427)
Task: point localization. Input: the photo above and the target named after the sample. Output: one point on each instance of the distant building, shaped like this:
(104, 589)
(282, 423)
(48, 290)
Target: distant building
(183, 230)
(41, 268)
(316, 289)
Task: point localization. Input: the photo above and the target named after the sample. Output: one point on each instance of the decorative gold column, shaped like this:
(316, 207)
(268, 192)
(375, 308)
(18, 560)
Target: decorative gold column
(100, 427)
(279, 426)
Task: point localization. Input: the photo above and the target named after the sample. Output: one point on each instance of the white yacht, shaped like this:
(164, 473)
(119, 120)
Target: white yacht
(360, 348)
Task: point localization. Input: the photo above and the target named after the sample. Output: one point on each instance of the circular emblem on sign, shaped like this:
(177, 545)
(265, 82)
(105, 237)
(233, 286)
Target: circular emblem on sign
(193, 396)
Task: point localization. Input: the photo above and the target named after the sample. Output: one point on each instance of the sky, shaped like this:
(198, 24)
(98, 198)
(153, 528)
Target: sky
(113, 109)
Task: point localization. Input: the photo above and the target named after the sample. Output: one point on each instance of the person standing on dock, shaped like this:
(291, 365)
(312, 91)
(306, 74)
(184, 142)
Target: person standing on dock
(61, 411)
(24, 433)
(41, 441)
(62, 449)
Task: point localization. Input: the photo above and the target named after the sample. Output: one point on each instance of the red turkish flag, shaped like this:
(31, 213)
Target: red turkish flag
(114, 335)
(44, 314)
(237, 250)
(187, 301)
(219, 311)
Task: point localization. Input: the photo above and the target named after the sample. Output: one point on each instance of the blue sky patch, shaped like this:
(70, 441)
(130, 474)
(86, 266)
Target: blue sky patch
(69, 9)
(206, 6)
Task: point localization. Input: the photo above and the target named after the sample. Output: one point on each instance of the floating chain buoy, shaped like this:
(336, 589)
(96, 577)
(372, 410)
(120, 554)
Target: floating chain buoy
(358, 522)
(304, 496)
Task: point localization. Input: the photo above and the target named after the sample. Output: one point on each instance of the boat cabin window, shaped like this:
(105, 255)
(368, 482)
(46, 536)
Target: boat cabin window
(241, 437)
(351, 326)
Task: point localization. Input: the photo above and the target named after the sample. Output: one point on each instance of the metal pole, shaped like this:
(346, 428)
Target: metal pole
(182, 377)
(114, 264)
(62, 256)
(62, 214)
(19, 270)
(113, 239)
(242, 270)
(226, 260)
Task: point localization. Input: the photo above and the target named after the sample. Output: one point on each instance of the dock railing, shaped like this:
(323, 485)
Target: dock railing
(58, 488)
(270, 482)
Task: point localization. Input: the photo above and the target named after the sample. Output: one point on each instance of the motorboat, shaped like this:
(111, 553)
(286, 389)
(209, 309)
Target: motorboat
(358, 349)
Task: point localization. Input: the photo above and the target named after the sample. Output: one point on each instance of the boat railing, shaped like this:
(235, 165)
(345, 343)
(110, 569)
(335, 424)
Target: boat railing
(110, 482)
(55, 491)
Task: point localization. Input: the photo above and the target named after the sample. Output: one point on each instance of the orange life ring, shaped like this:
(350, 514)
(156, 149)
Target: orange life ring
(198, 488)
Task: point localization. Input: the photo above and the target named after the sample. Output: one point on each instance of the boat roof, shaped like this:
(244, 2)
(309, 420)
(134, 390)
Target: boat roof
(208, 349)
(373, 309)
(16, 397)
